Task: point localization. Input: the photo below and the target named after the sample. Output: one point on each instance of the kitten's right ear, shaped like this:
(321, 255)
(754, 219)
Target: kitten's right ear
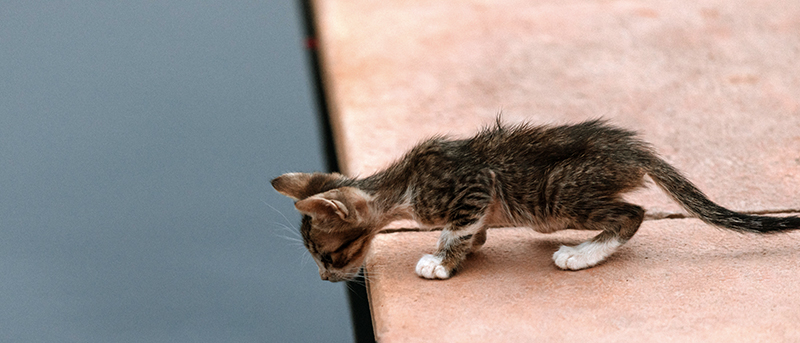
(320, 205)
(345, 203)
(292, 185)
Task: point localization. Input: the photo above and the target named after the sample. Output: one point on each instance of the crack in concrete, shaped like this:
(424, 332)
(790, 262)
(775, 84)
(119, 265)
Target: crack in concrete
(406, 229)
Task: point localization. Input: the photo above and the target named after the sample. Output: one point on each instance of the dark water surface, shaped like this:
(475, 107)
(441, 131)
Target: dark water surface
(137, 140)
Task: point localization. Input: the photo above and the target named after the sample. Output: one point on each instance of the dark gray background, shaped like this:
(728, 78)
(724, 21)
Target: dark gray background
(137, 140)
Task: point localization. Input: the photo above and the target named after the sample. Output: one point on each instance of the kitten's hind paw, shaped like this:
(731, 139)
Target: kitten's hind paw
(585, 255)
(430, 267)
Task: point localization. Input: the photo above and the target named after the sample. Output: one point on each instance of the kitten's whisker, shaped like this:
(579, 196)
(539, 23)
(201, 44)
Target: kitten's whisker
(350, 287)
(306, 258)
(367, 276)
(292, 240)
(279, 212)
(294, 233)
(289, 229)
(303, 260)
(374, 276)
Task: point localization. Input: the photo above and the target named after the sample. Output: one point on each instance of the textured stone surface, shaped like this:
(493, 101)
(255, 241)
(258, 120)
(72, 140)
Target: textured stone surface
(675, 281)
(714, 85)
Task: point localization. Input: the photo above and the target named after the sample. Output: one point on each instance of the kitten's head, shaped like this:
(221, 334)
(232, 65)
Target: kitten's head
(336, 225)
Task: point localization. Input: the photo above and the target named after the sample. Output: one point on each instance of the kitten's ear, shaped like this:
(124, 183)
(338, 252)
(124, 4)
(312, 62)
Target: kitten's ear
(302, 185)
(319, 206)
(346, 203)
(292, 185)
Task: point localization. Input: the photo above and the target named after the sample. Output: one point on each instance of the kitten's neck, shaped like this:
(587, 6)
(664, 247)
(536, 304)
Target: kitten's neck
(391, 194)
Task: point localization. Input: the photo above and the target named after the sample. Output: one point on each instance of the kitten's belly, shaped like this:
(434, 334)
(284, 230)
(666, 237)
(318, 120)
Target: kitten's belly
(431, 223)
(496, 216)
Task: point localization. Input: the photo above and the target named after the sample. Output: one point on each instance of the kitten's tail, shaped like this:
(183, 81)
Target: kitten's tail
(694, 201)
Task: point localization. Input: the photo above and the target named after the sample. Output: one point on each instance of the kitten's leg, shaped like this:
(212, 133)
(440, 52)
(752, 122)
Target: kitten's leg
(619, 222)
(453, 247)
(465, 231)
(478, 240)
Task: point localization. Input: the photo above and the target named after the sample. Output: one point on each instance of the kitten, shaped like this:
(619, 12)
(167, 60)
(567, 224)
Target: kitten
(547, 178)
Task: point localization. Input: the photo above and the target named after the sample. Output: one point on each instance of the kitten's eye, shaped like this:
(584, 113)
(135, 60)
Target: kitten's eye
(326, 258)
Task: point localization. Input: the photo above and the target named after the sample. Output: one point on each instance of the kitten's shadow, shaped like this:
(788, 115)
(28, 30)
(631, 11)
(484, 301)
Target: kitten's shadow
(530, 254)
(535, 253)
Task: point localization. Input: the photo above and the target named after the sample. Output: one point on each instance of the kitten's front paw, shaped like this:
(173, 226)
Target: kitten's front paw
(430, 267)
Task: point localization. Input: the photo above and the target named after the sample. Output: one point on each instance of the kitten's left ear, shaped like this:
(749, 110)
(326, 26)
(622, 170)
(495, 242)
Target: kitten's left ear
(346, 203)
(302, 185)
(291, 184)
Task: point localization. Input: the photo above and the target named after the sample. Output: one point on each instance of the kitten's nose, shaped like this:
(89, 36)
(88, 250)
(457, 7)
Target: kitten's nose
(324, 275)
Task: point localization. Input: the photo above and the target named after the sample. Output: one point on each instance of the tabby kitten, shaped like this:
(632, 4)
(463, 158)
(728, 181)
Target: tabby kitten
(547, 178)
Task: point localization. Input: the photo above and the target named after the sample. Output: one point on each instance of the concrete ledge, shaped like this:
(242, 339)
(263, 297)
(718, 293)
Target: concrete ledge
(713, 84)
(676, 281)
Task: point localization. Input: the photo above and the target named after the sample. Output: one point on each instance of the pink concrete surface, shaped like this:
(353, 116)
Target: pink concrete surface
(714, 85)
(675, 281)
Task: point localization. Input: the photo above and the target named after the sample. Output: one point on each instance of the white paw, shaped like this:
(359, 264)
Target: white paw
(430, 267)
(585, 255)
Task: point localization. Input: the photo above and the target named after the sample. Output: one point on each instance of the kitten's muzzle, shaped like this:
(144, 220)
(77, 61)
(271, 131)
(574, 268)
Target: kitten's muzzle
(326, 275)
(332, 278)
